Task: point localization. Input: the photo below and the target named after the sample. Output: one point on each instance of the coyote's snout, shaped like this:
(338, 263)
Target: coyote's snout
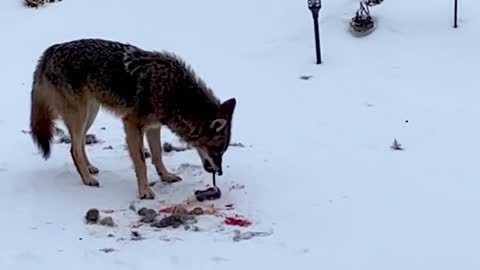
(146, 89)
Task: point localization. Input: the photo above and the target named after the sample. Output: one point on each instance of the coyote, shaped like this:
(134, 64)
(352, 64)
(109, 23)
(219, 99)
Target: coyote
(146, 89)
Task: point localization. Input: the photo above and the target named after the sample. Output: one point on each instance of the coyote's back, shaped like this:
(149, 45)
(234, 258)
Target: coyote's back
(94, 67)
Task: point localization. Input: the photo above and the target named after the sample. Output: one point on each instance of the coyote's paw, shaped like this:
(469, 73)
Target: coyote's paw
(92, 182)
(170, 178)
(92, 169)
(146, 194)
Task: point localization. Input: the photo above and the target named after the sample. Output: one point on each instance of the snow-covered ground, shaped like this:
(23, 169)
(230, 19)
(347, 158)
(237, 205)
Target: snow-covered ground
(316, 174)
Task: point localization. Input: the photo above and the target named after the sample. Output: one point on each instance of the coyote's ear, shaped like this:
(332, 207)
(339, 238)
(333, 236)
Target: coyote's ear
(218, 124)
(224, 115)
(227, 108)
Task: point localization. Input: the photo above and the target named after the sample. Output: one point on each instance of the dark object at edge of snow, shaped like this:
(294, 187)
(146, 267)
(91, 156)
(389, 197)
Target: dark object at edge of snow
(37, 3)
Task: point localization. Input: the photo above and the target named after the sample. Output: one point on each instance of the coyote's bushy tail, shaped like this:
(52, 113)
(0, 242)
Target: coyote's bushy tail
(41, 117)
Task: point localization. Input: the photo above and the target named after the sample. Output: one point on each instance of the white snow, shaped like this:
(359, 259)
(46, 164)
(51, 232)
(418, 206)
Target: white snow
(317, 169)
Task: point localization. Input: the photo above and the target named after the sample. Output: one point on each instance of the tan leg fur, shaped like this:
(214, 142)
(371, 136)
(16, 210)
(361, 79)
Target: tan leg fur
(76, 122)
(134, 134)
(93, 109)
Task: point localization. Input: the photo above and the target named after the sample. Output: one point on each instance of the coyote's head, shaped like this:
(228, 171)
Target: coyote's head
(215, 139)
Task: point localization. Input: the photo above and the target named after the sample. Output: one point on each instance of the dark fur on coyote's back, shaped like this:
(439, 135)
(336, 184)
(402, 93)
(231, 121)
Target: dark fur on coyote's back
(146, 89)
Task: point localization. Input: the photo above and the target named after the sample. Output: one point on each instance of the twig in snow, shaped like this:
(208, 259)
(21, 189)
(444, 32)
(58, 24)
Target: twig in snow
(396, 145)
(305, 77)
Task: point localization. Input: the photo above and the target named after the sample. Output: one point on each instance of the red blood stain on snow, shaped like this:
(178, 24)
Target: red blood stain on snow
(232, 220)
(167, 210)
(235, 221)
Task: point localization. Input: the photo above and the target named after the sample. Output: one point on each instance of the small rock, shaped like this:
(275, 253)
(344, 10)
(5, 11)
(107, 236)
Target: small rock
(64, 139)
(167, 147)
(107, 221)
(153, 183)
(92, 215)
(305, 77)
(107, 250)
(58, 132)
(146, 211)
(90, 139)
(167, 222)
(132, 207)
(136, 236)
(148, 218)
(192, 228)
(237, 145)
(108, 147)
(236, 186)
(110, 235)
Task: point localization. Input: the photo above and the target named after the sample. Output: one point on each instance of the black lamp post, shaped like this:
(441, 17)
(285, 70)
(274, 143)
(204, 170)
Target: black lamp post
(455, 15)
(314, 6)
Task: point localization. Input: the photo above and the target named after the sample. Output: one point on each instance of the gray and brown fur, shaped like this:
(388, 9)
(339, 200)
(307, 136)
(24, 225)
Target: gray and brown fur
(146, 89)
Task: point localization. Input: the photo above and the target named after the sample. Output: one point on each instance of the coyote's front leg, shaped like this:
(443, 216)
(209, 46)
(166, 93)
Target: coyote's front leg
(135, 148)
(154, 143)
